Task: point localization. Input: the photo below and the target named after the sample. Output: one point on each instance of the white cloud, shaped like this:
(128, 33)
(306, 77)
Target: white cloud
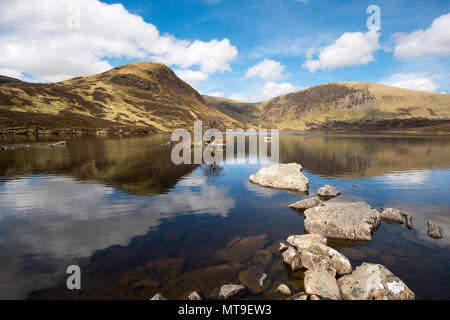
(352, 48)
(413, 81)
(434, 40)
(192, 77)
(267, 70)
(216, 94)
(35, 39)
(273, 89)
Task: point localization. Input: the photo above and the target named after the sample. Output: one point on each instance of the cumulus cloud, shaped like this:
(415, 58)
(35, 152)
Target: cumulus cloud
(434, 40)
(413, 81)
(267, 70)
(352, 48)
(192, 77)
(273, 89)
(35, 38)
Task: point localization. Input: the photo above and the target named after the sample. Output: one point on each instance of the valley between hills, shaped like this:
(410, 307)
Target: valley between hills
(148, 97)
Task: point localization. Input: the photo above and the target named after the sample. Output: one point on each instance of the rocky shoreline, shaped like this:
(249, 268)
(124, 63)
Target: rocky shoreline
(326, 273)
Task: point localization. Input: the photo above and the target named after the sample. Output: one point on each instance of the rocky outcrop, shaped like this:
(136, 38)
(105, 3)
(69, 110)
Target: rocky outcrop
(282, 248)
(328, 192)
(231, 291)
(391, 215)
(434, 231)
(373, 282)
(305, 204)
(343, 221)
(322, 285)
(282, 176)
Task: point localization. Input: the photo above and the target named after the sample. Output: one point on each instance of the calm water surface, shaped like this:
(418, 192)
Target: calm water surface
(136, 224)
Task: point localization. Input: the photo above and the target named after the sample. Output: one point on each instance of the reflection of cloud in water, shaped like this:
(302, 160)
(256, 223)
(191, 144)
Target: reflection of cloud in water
(407, 178)
(260, 191)
(49, 220)
(63, 217)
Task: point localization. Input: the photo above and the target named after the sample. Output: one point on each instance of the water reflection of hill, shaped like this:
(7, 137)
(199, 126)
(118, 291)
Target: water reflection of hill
(364, 156)
(136, 165)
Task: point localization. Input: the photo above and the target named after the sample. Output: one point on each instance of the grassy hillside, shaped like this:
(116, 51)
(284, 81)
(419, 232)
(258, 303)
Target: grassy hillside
(348, 106)
(142, 96)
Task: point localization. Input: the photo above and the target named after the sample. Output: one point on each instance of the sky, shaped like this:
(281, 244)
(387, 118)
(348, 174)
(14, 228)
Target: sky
(246, 50)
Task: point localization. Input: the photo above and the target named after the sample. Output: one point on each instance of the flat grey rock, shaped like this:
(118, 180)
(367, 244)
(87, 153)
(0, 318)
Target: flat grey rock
(282, 176)
(343, 220)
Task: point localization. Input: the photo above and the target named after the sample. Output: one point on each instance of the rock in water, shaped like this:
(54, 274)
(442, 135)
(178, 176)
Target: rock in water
(158, 296)
(391, 215)
(241, 249)
(305, 203)
(321, 284)
(373, 281)
(434, 231)
(299, 241)
(317, 256)
(282, 176)
(282, 248)
(195, 296)
(328, 192)
(343, 221)
(231, 291)
(292, 258)
(408, 219)
(283, 289)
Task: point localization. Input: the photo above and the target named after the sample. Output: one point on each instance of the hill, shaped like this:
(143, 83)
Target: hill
(349, 106)
(141, 96)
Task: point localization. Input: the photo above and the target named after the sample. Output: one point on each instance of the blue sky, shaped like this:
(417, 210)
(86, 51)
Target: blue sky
(248, 50)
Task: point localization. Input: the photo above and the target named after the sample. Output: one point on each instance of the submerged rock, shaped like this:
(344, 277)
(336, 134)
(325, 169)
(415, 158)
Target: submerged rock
(283, 290)
(434, 231)
(195, 296)
(391, 215)
(328, 192)
(241, 249)
(58, 144)
(343, 221)
(158, 296)
(282, 176)
(292, 258)
(322, 285)
(305, 203)
(263, 257)
(373, 281)
(255, 280)
(231, 291)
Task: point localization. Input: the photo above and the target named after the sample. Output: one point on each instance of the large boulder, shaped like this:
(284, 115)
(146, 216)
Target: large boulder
(305, 203)
(282, 176)
(316, 255)
(328, 192)
(322, 285)
(373, 282)
(343, 220)
(391, 215)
